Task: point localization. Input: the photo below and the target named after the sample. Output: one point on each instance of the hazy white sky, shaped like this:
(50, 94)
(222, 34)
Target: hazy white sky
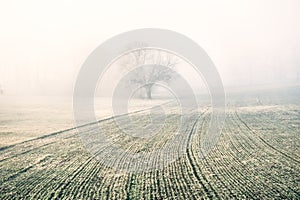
(44, 43)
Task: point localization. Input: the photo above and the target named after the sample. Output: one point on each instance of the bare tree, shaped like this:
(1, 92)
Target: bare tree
(147, 77)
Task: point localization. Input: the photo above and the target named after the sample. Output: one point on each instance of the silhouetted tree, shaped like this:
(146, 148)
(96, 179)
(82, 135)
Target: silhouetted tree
(147, 77)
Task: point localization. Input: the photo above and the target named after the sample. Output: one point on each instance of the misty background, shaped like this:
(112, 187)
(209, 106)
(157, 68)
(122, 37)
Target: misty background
(44, 44)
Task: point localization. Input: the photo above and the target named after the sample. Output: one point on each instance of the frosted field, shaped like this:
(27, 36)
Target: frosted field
(256, 157)
(23, 118)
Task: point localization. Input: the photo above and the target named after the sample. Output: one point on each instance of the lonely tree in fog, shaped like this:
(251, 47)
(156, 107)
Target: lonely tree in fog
(147, 77)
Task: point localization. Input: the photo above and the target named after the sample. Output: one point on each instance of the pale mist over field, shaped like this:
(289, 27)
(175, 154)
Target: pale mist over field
(43, 45)
(152, 126)
(253, 44)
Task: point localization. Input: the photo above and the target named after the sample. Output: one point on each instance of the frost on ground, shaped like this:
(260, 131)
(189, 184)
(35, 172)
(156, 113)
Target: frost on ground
(257, 155)
(24, 118)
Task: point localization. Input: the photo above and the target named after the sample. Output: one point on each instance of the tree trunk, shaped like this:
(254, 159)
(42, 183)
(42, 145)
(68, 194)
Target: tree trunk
(149, 91)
